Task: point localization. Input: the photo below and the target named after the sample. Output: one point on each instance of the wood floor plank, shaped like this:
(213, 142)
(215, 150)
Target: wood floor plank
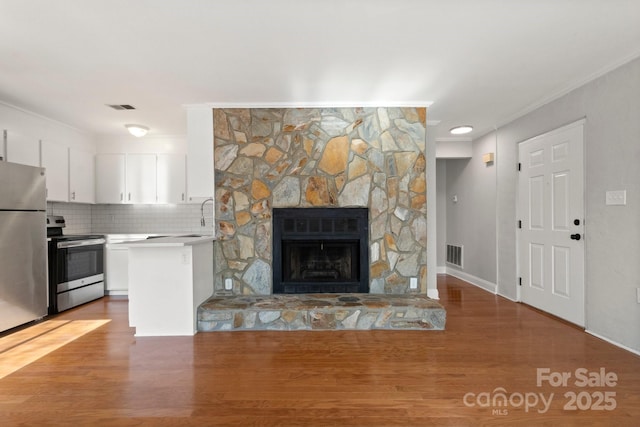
(329, 378)
(47, 338)
(9, 341)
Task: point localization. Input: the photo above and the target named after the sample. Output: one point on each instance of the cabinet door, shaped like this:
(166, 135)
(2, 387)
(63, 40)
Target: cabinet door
(171, 178)
(141, 178)
(117, 270)
(81, 176)
(23, 149)
(55, 159)
(110, 178)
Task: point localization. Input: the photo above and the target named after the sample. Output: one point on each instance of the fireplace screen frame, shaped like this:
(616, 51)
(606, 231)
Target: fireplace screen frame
(321, 226)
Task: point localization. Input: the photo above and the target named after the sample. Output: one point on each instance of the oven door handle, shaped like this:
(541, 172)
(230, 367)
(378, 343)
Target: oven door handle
(77, 243)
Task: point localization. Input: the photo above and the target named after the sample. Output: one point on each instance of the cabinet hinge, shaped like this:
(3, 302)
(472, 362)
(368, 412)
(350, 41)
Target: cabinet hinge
(519, 223)
(519, 167)
(520, 281)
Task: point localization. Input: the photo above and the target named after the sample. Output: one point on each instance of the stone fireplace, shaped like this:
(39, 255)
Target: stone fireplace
(320, 158)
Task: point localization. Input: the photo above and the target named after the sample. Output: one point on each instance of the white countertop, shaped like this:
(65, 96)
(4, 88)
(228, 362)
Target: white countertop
(168, 241)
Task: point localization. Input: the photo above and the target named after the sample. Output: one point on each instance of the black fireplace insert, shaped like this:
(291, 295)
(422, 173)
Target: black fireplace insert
(320, 250)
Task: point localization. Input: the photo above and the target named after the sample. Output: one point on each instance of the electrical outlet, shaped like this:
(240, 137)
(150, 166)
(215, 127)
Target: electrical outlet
(413, 283)
(228, 283)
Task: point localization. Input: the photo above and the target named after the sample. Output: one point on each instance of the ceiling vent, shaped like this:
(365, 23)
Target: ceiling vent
(121, 106)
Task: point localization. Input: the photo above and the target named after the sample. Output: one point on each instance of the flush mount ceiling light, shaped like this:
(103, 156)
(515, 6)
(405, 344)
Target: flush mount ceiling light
(137, 130)
(461, 130)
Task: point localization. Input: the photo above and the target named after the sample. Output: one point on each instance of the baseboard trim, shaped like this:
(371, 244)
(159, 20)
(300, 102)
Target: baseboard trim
(610, 341)
(476, 281)
(117, 293)
(506, 297)
(442, 269)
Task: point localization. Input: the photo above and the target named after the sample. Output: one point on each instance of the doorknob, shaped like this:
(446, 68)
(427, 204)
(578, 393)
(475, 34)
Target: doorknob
(575, 236)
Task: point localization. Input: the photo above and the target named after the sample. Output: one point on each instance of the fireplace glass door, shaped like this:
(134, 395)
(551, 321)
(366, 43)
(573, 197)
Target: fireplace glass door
(320, 250)
(334, 263)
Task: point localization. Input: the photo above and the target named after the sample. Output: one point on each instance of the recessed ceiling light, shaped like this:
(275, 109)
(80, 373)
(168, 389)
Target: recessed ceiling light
(137, 130)
(461, 130)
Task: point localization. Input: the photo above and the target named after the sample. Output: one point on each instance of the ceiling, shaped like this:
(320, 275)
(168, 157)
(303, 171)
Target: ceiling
(478, 62)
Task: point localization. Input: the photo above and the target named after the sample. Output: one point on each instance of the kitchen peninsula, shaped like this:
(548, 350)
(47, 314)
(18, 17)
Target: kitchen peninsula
(169, 277)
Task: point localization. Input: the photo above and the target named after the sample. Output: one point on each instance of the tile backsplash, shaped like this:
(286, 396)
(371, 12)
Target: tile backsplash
(76, 215)
(125, 219)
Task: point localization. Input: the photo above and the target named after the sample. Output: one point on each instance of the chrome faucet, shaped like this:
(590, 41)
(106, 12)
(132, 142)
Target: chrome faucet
(202, 221)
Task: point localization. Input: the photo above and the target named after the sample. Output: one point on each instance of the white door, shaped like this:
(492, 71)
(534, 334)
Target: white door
(171, 178)
(22, 149)
(82, 186)
(55, 159)
(551, 211)
(110, 178)
(141, 178)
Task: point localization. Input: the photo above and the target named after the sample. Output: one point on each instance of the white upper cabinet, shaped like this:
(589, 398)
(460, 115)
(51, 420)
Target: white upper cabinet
(200, 176)
(81, 176)
(22, 149)
(110, 178)
(141, 178)
(55, 159)
(171, 178)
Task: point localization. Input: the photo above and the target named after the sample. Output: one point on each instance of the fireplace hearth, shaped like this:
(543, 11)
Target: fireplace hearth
(320, 250)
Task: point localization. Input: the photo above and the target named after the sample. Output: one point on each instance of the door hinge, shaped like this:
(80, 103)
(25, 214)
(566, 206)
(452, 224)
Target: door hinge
(519, 223)
(519, 167)
(520, 281)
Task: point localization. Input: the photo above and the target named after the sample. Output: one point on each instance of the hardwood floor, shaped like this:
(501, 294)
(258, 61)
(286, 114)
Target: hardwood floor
(334, 378)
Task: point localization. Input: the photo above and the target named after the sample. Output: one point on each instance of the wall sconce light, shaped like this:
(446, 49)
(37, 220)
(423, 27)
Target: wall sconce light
(487, 158)
(137, 130)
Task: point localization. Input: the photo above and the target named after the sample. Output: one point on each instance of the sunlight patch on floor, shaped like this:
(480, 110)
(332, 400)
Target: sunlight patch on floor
(28, 345)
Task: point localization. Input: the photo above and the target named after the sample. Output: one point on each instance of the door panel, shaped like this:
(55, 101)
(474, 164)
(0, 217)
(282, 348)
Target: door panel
(536, 202)
(561, 262)
(560, 190)
(537, 266)
(550, 200)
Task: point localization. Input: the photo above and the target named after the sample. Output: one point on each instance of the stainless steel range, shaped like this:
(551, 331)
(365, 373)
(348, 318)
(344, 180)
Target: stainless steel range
(76, 267)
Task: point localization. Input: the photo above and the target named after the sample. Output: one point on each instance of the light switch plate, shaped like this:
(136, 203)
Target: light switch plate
(618, 197)
(413, 283)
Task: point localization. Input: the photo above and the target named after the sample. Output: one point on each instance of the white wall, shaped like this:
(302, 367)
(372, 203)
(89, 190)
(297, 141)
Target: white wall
(611, 106)
(471, 220)
(41, 128)
(441, 206)
(171, 144)
(454, 149)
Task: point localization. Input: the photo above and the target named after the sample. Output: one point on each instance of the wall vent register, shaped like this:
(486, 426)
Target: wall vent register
(454, 255)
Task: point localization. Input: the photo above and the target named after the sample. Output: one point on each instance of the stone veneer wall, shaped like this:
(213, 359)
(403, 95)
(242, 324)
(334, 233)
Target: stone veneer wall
(325, 157)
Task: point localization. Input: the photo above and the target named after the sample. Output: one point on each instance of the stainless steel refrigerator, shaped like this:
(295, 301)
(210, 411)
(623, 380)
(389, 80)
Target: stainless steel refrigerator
(23, 245)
